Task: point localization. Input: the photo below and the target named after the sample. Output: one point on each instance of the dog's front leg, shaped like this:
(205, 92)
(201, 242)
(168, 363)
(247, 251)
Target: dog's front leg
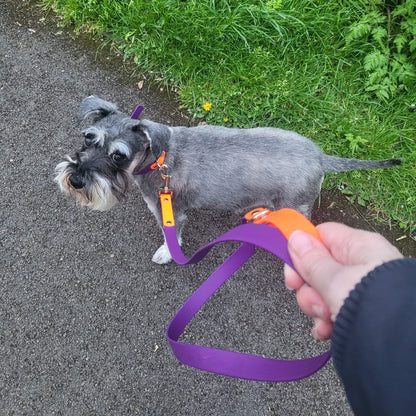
(162, 254)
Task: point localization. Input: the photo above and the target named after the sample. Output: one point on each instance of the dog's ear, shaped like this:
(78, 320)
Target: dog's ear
(157, 134)
(96, 108)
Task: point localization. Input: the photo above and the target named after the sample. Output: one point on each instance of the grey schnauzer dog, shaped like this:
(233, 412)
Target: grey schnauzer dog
(210, 166)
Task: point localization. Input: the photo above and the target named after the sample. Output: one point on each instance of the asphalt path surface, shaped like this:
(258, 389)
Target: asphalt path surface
(83, 310)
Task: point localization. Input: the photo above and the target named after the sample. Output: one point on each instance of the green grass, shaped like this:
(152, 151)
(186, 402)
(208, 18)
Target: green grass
(287, 63)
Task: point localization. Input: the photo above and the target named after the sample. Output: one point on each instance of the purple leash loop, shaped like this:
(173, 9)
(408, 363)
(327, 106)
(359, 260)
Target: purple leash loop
(225, 362)
(137, 111)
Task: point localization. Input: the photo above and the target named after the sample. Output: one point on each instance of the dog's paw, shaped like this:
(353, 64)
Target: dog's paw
(162, 255)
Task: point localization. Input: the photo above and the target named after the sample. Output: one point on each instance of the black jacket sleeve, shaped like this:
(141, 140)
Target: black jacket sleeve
(373, 341)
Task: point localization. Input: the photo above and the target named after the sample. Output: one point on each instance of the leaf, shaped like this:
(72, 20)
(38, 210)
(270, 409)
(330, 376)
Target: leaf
(379, 33)
(409, 25)
(375, 60)
(405, 9)
(412, 45)
(361, 201)
(347, 192)
(355, 142)
(400, 57)
(409, 73)
(357, 31)
(400, 41)
(377, 76)
(382, 91)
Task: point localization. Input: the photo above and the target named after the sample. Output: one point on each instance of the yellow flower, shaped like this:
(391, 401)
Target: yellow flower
(207, 106)
(226, 120)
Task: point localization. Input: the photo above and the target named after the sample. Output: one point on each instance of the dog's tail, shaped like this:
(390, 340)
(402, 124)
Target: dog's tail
(339, 164)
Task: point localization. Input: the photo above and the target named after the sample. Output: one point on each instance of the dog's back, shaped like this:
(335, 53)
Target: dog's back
(238, 168)
(275, 142)
(229, 168)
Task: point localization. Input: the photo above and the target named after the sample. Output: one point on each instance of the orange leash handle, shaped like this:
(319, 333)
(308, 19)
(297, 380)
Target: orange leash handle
(287, 220)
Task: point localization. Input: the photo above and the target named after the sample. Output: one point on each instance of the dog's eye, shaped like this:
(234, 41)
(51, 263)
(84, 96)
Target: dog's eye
(89, 139)
(117, 157)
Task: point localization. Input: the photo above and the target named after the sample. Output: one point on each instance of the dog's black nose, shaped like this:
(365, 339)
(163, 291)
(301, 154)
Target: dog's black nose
(76, 181)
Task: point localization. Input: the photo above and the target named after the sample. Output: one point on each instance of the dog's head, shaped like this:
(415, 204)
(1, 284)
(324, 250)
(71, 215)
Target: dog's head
(114, 148)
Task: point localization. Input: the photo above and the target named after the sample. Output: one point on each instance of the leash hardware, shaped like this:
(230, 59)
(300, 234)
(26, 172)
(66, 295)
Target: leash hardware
(165, 197)
(160, 161)
(257, 214)
(164, 169)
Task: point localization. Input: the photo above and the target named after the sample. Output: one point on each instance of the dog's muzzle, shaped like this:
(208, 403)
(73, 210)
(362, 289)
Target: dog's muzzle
(92, 182)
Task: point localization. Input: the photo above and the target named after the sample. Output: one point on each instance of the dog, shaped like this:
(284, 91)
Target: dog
(209, 166)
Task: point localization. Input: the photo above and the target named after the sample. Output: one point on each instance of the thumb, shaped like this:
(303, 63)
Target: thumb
(312, 261)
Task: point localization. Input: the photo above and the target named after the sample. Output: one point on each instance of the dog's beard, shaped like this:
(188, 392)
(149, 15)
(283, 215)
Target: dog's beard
(99, 193)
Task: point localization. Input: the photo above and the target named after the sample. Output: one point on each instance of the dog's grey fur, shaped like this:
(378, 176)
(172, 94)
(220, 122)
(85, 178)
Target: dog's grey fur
(211, 167)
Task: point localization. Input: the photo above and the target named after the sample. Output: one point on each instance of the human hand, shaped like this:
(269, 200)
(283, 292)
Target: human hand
(328, 272)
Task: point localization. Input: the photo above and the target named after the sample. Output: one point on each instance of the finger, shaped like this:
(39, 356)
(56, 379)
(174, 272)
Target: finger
(312, 260)
(292, 279)
(311, 303)
(322, 330)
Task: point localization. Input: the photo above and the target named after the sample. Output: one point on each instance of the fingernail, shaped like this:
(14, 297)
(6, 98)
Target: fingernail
(315, 332)
(300, 242)
(287, 269)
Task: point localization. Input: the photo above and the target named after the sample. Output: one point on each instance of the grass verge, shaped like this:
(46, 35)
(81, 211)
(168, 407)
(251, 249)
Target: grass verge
(339, 72)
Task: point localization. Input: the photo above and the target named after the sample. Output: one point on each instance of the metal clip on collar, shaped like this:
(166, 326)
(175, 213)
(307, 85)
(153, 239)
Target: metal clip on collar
(163, 169)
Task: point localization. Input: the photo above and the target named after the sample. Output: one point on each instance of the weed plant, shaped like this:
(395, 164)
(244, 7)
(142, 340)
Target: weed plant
(340, 72)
